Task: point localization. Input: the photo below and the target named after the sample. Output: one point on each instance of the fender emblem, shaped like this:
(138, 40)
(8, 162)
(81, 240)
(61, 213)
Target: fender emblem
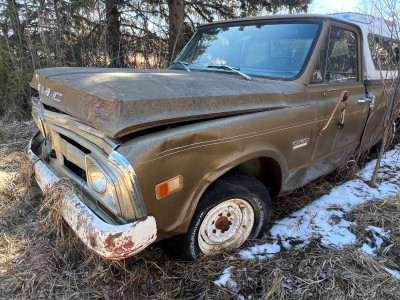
(300, 143)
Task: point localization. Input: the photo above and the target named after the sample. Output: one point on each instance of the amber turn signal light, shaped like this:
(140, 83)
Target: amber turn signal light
(169, 187)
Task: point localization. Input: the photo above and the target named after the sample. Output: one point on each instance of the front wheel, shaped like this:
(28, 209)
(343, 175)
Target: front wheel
(226, 225)
(231, 210)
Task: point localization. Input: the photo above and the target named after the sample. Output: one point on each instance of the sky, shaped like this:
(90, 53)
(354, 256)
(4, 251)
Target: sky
(327, 6)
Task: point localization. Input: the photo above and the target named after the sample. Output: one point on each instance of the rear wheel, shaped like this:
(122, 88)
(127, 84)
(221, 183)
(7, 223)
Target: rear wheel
(231, 210)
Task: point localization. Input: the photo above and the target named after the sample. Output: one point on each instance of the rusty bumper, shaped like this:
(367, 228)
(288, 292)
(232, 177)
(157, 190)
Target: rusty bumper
(107, 240)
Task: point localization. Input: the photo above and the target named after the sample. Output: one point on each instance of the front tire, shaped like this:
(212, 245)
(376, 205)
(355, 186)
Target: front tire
(231, 210)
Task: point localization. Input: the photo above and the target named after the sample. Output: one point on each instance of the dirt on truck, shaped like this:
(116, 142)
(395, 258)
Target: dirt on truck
(251, 109)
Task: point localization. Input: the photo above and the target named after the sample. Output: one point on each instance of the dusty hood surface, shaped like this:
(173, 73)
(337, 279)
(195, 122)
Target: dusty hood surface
(121, 101)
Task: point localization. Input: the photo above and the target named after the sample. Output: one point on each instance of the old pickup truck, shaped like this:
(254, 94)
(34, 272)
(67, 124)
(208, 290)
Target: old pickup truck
(251, 109)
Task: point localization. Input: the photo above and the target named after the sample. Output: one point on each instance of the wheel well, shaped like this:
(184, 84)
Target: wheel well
(265, 169)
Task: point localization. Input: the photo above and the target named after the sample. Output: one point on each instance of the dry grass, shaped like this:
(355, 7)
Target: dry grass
(35, 264)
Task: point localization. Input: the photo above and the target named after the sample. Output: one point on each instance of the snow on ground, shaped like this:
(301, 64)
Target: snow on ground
(262, 251)
(323, 218)
(394, 273)
(226, 281)
(375, 240)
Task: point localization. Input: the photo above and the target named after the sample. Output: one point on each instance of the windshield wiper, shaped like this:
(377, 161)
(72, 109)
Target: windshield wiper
(184, 64)
(234, 69)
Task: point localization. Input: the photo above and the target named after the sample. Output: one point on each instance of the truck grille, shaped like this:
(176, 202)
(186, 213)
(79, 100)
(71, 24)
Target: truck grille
(77, 145)
(69, 144)
(75, 169)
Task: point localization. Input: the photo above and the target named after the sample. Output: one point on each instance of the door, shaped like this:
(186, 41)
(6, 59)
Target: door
(337, 71)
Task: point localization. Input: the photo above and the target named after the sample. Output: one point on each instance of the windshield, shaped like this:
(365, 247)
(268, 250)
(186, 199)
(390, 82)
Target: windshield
(273, 49)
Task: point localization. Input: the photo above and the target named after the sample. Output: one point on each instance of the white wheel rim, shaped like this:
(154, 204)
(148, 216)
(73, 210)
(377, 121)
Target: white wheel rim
(226, 225)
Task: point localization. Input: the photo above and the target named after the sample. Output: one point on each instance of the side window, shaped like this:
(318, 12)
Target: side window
(338, 61)
(385, 52)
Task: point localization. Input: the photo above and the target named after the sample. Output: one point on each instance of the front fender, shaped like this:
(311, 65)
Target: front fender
(201, 153)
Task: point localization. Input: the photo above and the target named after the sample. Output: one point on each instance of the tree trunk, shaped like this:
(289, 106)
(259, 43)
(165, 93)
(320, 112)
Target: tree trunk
(113, 37)
(16, 25)
(176, 19)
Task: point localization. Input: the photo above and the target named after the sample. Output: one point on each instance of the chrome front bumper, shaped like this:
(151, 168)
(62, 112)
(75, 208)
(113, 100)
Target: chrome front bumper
(107, 240)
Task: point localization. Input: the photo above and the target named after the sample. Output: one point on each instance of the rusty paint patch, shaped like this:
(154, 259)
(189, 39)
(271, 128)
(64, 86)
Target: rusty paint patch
(109, 242)
(128, 244)
(97, 108)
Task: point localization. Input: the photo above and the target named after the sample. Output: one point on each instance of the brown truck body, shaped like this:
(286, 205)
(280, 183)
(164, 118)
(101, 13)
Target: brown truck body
(145, 127)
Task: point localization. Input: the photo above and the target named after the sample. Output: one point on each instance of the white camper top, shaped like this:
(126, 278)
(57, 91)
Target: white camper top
(376, 26)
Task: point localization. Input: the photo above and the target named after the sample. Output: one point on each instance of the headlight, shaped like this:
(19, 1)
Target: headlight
(96, 179)
(100, 182)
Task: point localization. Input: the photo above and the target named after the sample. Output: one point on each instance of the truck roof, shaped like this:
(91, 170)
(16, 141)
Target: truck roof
(371, 24)
(272, 17)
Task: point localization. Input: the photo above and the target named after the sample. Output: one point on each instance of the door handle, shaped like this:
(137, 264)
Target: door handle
(369, 98)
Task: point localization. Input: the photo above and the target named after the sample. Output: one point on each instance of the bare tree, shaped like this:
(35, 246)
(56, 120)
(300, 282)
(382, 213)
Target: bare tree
(176, 22)
(386, 56)
(114, 40)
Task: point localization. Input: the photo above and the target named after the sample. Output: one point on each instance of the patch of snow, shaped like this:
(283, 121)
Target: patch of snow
(368, 249)
(241, 297)
(287, 286)
(394, 273)
(379, 231)
(326, 273)
(259, 250)
(374, 239)
(225, 280)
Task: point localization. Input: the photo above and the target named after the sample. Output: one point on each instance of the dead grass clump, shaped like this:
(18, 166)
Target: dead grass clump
(27, 172)
(384, 214)
(16, 200)
(51, 223)
(277, 290)
(16, 133)
(14, 168)
(50, 210)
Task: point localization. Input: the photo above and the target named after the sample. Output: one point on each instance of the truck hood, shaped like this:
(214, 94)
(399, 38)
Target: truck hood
(122, 101)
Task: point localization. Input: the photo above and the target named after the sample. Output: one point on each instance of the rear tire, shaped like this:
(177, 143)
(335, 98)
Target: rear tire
(231, 210)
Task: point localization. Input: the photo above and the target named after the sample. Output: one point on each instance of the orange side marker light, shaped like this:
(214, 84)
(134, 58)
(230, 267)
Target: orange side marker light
(169, 187)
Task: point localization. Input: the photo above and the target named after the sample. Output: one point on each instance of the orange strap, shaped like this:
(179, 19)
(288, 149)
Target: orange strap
(342, 98)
